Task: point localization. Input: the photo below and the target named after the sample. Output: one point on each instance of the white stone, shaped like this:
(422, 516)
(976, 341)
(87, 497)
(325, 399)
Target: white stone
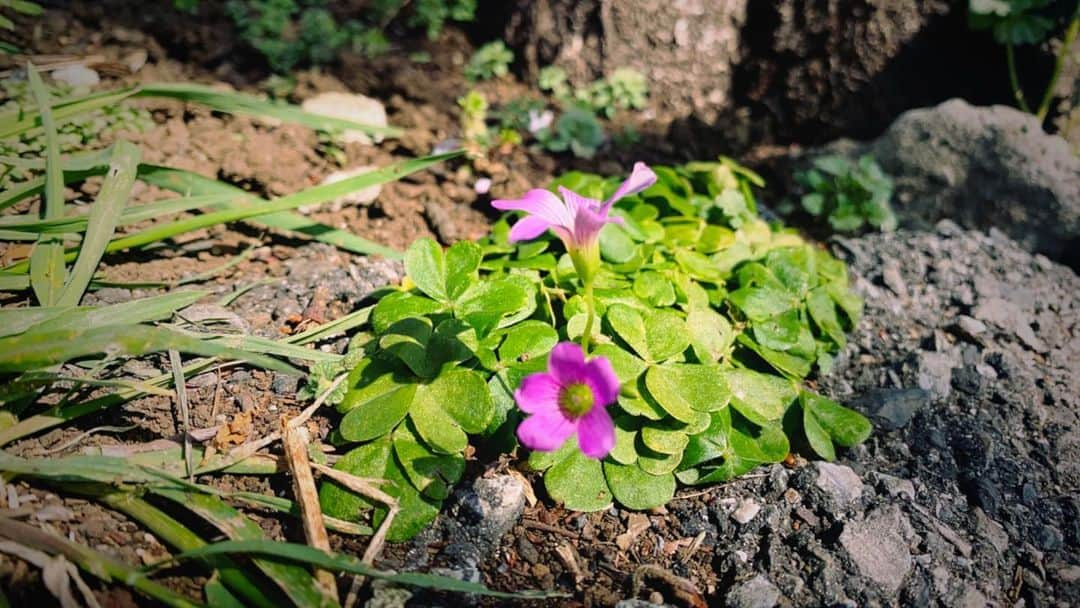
(349, 106)
(748, 510)
(77, 75)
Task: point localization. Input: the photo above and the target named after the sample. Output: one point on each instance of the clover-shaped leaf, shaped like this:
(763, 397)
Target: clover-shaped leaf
(578, 482)
(527, 340)
(761, 398)
(431, 473)
(376, 459)
(826, 422)
(636, 489)
(400, 305)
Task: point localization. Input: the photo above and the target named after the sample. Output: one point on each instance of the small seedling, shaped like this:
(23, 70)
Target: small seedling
(489, 61)
(850, 194)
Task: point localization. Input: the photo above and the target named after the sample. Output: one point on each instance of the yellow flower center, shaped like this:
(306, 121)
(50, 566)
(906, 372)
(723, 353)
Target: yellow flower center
(576, 400)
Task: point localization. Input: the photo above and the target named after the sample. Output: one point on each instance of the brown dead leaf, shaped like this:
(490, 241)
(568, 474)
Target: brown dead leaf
(235, 433)
(635, 525)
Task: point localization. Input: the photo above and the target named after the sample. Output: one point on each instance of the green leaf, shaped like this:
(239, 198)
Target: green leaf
(682, 389)
(462, 261)
(636, 489)
(103, 217)
(542, 461)
(239, 103)
(626, 432)
(664, 438)
(654, 288)
(578, 482)
(711, 334)
(345, 563)
(616, 246)
(436, 427)
(656, 463)
(376, 459)
(780, 332)
(463, 394)
(400, 305)
(369, 380)
(730, 447)
(408, 340)
(426, 266)
(762, 398)
(431, 473)
(39, 349)
(760, 303)
(377, 416)
(527, 340)
(831, 423)
(485, 304)
(666, 335)
(822, 310)
(629, 325)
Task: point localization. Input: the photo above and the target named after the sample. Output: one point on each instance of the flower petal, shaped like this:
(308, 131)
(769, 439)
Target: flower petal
(596, 433)
(567, 363)
(541, 203)
(587, 226)
(538, 394)
(575, 202)
(545, 432)
(603, 381)
(528, 228)
(640, 178)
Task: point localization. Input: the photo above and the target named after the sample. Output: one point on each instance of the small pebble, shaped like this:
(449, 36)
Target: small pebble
(748, 509)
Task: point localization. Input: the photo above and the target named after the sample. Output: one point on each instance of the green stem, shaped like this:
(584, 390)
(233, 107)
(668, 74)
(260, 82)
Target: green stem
(1059, 65)
(590, 312)
(1014, 79)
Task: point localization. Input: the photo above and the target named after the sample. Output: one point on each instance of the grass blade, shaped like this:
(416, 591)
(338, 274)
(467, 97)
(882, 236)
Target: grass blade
(176, 534)
(294, 580)
(47, 271)
(15, 321)
(19, 122)
(103, 567)
(265, 346)
(239, 103)
(186, 182)
(345, 563)
(132, 215)
(104, 215)
(40, 349)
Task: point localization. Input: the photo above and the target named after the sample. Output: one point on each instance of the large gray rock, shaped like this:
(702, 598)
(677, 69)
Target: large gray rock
(983, 167)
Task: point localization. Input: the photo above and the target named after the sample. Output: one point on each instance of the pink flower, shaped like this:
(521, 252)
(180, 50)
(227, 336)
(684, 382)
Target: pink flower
(572, 396)
(575, 219)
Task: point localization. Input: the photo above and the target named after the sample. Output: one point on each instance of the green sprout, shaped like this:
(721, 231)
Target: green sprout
(490, 61)
(849, 194)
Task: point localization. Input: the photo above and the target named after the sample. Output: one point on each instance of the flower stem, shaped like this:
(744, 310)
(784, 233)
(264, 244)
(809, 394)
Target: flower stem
(1059, 64)
(1014, 79)
(590, 312)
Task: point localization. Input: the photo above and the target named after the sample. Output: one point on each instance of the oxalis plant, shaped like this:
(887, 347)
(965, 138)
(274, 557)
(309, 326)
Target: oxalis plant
(629, 336)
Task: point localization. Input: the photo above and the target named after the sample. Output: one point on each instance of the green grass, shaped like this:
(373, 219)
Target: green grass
(57, 346)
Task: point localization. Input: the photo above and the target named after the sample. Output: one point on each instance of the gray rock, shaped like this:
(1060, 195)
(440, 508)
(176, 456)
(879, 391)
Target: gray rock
(895, 486)
(495, 502)
(892, 409)
(877, 547)
(935, 373)
(983, 167)
(636, 603)
(385, 595)
(839, 483)
(758, 592)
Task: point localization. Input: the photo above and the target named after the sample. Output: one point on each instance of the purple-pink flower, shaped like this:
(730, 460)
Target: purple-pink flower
(572, 396)
(575, 219)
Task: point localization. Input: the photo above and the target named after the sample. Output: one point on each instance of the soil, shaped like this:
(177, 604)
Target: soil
(969, 481)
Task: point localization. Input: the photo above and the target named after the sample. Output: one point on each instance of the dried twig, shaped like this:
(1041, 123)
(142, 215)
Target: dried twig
(366, 487)
(295, 441)
(185, 413)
